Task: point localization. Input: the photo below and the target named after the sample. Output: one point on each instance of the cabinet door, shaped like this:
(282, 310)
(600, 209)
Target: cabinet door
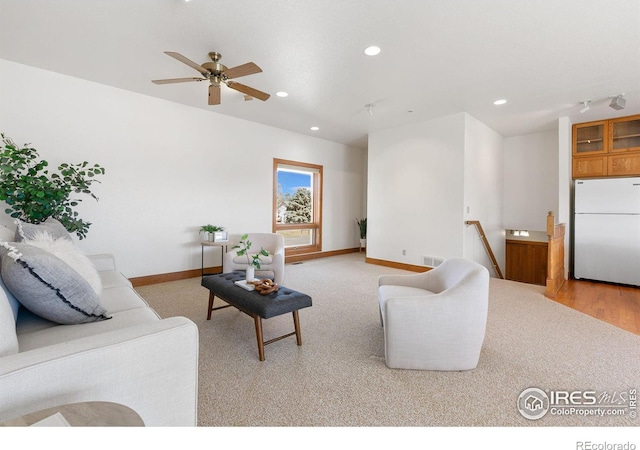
(590, 138)
(538, 255)
(518, 262)
(624, 164)
(591, 166)
(624, 134)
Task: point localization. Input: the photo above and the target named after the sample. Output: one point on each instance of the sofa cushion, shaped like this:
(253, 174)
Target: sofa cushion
(8, 339)
(112, 278)
(48, 286)
(52, 226)
(67, 251)
(33, 332)
(121, 298)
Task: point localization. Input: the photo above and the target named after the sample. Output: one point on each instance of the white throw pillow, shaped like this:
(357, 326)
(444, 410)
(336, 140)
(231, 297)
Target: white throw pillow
(67, 251)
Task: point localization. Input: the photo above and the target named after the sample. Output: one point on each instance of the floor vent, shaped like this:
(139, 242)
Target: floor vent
(431, 261)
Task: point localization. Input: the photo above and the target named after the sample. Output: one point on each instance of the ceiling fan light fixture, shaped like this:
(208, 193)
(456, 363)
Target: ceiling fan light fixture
(500, 102)
(618, 102)
(218, 74)
(282, 94)
(314, 128)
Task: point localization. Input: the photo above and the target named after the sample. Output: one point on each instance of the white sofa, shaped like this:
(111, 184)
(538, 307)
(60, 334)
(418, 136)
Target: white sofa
(134, 358)
(435, 320)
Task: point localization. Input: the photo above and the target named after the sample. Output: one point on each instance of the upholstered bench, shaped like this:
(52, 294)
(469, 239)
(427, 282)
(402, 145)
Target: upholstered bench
(256, 305)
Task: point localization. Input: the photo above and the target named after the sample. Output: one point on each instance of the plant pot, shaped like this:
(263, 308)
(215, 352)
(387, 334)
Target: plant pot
(251, 272)
(363, 243)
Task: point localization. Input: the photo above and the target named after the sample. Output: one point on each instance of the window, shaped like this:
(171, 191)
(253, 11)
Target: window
(297, 205)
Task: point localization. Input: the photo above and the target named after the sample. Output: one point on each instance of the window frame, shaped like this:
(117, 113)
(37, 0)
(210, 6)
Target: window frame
(316, 219)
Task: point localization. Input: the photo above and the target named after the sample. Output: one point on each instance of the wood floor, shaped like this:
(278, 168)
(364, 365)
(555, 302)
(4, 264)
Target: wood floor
(615, 304)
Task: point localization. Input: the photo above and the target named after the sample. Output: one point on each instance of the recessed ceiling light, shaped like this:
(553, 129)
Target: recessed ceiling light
(372, 51)
(315, 128)
(282, 94)
(500, 102)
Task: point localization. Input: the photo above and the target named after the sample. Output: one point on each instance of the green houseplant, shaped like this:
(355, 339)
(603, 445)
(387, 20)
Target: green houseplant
(32, 194)
(253, 260)
(209, 231)
(362, 225)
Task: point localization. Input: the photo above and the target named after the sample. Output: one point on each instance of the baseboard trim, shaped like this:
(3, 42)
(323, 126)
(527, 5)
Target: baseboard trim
(172, 276)
(316, 255)
(397, 265)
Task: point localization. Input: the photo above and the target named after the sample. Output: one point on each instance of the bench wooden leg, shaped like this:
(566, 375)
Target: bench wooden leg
(211, 297)
(296, 325)
(258, 321)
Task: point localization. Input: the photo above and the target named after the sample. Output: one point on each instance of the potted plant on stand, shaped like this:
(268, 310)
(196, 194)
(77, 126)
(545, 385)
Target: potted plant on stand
(209, 231)
(362, 224)
(252, 259)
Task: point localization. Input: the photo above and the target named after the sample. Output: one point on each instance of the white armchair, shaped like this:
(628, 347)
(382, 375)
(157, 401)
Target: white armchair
(435, 320)
(271, 266)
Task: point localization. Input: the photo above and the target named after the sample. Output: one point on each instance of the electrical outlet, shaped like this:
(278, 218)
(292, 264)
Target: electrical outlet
(404, 252)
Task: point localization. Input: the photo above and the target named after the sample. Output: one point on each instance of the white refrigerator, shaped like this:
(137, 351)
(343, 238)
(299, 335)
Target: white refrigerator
(607, 230)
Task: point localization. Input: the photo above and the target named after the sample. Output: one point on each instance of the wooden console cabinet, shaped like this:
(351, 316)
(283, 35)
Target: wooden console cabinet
(526, 261)
(607, 148)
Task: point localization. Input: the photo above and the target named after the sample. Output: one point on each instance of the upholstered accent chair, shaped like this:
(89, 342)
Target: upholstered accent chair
(271, 266)
(435, 320)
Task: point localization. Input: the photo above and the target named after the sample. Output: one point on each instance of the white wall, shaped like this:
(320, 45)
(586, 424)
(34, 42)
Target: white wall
(531, 185)
(169, 168)
(483, 187)
(422, 178)
(416, 191)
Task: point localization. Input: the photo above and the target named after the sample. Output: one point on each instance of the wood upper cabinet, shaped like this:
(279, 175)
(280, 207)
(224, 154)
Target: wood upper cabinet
(590, 138)
(607, 148)
(624, 134)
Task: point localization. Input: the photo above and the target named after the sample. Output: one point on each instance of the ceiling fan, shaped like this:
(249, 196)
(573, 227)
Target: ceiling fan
(218, 74)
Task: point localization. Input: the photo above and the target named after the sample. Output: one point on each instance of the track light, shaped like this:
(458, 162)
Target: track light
(586, 106)
(618, 102)
(369, 107)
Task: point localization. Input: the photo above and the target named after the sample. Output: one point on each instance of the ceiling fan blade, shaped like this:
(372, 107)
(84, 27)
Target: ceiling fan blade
(242, 70)
(214, 95)
(188, 62)
(248, 90)
(176, 80)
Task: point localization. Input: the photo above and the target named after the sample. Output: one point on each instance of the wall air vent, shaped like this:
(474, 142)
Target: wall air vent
(431, 261)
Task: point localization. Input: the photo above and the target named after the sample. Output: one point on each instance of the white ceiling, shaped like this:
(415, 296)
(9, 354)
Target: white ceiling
(438, 57)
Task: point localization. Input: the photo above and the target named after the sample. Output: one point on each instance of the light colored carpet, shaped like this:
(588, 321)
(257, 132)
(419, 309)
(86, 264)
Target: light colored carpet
(338, 376)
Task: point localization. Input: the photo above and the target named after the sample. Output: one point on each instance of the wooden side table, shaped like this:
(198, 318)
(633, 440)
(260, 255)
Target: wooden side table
(204, 244)
(84, 414)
